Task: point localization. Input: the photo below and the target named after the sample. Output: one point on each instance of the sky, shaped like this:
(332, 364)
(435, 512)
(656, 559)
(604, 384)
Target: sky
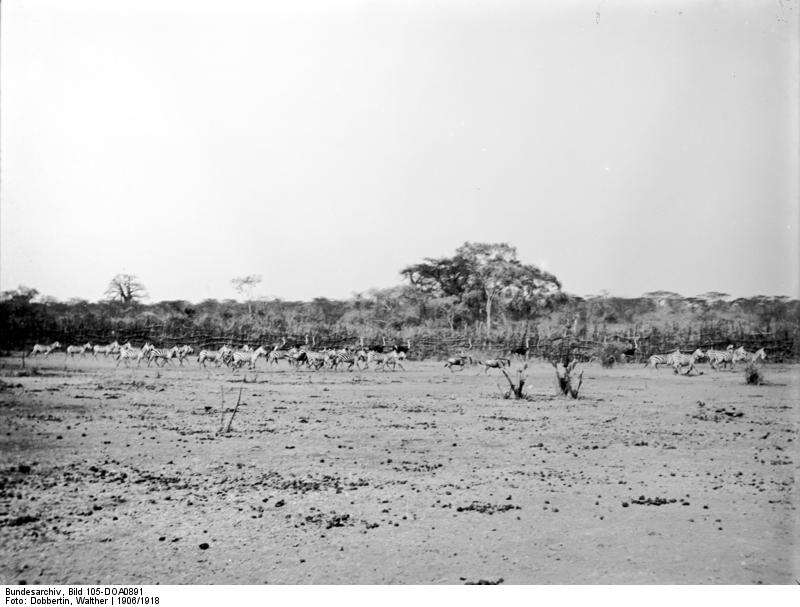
(623, 146)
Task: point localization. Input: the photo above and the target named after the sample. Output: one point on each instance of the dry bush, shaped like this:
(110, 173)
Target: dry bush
(752, 375)
(516, 390)
(611, 353)
(569, 382)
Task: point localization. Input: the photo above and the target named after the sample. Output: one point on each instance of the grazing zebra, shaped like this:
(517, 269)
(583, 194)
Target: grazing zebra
(40, 349)
(661, 359)
(456, 361)
(495, 363)
(720, 357)
(71, 351)
(162, 354)
(740, 354)
(215, 356)
(680, 360)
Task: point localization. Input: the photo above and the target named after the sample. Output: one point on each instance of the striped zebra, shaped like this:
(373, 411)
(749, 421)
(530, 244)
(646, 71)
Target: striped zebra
(163, 355)
(742, 355)
(680, 360)
(720, 357)
(72, 351)
(343, 357)
(661, 359)
(46, 350)
(128, 353)
(383, 361)
(111, 348)
(277, 355)
(316, 360)
(240, 358)
(215, 356)
(495, 363)
(184, 352)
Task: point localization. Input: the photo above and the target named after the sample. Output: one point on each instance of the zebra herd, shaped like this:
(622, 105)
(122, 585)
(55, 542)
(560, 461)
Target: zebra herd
(716, 358)
(297, 357)
(359, 357)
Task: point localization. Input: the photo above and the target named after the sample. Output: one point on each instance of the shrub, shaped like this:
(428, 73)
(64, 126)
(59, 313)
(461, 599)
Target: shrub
(610, 353)
(752, 375)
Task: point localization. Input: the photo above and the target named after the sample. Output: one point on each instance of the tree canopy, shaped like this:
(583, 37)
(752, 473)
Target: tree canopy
(482, 276)
(126, 288)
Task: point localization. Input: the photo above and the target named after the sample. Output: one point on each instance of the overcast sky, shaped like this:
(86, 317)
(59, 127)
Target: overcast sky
(623, 146)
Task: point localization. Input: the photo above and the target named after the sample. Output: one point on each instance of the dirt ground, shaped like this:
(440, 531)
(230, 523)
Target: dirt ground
(419, 476)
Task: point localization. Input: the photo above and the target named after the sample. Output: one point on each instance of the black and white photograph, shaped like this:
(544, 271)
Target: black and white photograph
(397, 293)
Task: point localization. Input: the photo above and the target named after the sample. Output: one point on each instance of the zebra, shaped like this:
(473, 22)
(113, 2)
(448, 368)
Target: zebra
(216, 356)
(183, 353)
(362, 358)
(662, 359)
(456, 361)
(129, 353)
(495, 363)
(680, 360)
(276, 355)
(111, 348)
(40, 349)
(740, 354)
(343, 357)
(296, 357)
(71, 351)
(165, 354)
(720, 357)
(241, 358)
(315, 360)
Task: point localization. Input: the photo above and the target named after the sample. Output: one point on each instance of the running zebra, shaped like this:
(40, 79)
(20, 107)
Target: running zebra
(720, 357)
(316, 360)
(277, 355)
(456, 361)
(680, 360)
(128, 353)
(71, 351)
(162, 354)
(215, 356)
(742, 355)
(495, 363)
(184, 352)
(240, 358)
(343, 357)
(40, 349)
(111, 348)
(662, 359)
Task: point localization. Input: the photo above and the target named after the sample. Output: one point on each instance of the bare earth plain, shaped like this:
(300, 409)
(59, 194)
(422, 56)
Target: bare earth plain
(419, 476)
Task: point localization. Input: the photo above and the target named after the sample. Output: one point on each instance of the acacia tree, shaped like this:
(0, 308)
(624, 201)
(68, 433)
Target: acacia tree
(126, 288)
(244, 285)
(481, 274)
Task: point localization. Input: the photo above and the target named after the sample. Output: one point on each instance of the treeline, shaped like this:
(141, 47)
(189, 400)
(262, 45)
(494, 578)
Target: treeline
(404, 314)
(483, 297)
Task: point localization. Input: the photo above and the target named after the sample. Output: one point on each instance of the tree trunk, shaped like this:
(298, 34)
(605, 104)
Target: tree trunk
(488, 313)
